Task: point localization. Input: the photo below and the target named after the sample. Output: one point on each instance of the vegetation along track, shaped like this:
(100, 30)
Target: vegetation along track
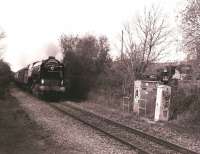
(140, 141)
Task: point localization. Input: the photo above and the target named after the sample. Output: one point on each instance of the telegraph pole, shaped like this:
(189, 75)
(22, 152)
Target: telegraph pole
(122, 45)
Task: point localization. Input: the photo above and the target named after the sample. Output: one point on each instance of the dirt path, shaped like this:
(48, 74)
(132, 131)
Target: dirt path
(20, 135)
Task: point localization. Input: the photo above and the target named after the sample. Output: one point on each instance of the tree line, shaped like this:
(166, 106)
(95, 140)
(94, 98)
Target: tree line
(144, 42)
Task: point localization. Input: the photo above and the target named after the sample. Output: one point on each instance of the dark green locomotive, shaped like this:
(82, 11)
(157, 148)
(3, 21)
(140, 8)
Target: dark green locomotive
(42, 77)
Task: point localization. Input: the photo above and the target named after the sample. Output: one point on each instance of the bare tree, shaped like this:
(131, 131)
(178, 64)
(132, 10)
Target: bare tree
(191, 28)
(145, 41)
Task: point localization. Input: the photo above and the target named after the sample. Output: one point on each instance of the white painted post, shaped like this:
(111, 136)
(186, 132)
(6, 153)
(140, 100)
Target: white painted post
(162, 103)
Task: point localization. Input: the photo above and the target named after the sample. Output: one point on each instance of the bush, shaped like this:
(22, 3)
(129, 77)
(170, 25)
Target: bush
(85, 58)
(5, 77)
(185, 103)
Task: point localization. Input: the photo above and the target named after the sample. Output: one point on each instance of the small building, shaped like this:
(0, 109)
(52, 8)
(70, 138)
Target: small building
(145, 98)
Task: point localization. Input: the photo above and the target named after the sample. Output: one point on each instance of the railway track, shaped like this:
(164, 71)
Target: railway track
(140, 141)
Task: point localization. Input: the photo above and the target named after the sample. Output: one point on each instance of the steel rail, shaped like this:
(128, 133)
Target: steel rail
(137, 149)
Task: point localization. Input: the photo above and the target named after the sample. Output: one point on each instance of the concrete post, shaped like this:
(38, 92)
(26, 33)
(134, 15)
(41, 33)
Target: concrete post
(162, 103)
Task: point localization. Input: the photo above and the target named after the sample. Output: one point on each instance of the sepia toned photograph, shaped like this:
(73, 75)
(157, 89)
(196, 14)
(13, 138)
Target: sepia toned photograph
(100, 77)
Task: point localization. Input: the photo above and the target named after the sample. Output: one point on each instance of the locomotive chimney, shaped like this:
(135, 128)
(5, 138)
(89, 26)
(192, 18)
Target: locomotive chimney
(51, 57)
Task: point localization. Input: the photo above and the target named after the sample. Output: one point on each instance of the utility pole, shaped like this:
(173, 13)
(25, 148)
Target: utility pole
(122, 45)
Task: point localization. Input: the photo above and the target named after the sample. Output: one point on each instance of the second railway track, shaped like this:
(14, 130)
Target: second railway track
(140, 141)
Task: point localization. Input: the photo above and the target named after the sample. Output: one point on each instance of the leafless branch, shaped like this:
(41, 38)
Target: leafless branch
(145, 40)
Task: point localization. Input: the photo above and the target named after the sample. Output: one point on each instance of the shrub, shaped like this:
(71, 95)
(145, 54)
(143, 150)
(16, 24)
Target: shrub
(5, 76)
(185, 102)
(85, 58)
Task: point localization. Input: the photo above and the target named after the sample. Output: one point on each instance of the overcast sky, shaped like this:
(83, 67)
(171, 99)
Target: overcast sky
(31, 25)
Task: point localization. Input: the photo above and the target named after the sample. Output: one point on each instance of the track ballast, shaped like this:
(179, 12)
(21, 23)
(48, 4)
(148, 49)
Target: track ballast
(138, 140)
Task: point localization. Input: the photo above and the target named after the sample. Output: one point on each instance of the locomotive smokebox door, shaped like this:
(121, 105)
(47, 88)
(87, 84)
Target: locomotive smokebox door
(162, 103)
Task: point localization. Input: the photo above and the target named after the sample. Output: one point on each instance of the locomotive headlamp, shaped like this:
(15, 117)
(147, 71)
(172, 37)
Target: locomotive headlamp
(62, 82)
(42, 81)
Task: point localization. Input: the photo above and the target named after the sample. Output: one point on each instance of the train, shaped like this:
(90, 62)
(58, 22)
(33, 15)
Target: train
(42, 77)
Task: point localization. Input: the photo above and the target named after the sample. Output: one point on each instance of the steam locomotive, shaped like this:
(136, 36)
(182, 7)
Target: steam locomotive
(42, 77)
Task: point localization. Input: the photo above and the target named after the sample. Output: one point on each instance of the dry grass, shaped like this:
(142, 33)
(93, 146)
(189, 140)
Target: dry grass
(106, 98)
(185, 104)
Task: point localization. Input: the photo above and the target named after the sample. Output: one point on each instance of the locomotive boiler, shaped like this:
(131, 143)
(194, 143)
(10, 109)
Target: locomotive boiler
(42, 77)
